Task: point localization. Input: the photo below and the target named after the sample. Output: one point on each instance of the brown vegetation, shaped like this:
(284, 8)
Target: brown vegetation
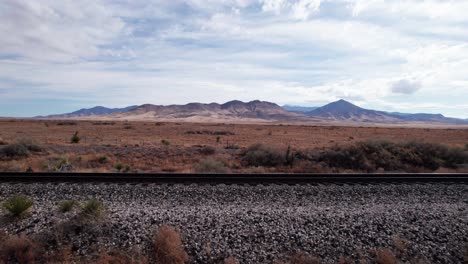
(168, 246)
(299, 258)
(178, 147)
(20, 249)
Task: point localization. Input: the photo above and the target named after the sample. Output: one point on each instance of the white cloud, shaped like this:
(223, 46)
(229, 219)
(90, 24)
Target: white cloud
(405, 87)
(215, 50)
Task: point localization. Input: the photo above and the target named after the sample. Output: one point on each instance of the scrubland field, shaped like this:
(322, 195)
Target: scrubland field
(108, 146)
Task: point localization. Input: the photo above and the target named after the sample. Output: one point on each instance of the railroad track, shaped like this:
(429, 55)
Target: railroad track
(181, 178)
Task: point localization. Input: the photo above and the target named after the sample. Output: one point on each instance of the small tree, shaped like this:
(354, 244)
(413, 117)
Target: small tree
(75, 139)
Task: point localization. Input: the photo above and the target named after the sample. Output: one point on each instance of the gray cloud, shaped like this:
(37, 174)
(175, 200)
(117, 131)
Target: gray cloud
(405, 87)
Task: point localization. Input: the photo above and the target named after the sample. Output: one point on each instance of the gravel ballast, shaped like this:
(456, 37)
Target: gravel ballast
(257, 224)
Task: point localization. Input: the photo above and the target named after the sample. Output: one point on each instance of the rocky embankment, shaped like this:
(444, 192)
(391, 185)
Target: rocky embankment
(257, 224)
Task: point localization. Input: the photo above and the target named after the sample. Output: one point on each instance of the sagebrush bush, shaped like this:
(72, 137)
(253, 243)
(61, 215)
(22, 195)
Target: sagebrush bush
(14, 150)
(231, 260)
(92, 208)
(207, 150)
(385, 256)
(17, 205)
(211, 166)
(19, 249)
(30, 144)
(21, 148)
(372, 155)
(168, 246)
(165, 142)
(75, 139)
(300, 258)
(66, 206)
(263, 155)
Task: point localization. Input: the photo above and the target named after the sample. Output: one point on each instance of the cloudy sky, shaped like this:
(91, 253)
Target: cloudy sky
(59, 56)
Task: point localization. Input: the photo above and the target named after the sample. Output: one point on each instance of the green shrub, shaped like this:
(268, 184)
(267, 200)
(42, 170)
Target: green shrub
(92, 208)
(118, 166)
(75, 139)
(165, 142)
(102, 160)
(262, 155)
(66, 206)
(211, 166)
(17, 205)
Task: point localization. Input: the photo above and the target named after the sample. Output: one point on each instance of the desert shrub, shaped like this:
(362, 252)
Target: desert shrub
(3, 142)
(218, 139)
(67, 123)
(231, 260)
(92, 208)
(165, 142)
(102, 160)
(66, 206)
(300, 258)
(119, 166)
(75, 139)
(385, 256)
(168, 246)
(17, 205)
(118, 257)
(211, 166)
(207, 150)
(103, 123)
(14, 150)
(19, 249)
(232, 146)
(21, 148)
(62, 164)
(263, 155)
(30, 144)
(372, 155)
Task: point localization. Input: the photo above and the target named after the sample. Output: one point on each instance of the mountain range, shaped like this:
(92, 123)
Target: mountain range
(256, 111)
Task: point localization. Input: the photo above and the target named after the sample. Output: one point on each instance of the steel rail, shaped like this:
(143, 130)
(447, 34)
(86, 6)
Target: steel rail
(173, 178)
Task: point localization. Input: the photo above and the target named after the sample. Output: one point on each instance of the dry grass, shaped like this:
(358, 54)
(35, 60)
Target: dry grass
(385, 256)
(168, 246)
(20, 249)
(231, 260)
(118, 257)
(92, 209)
(211, 165)
(141, 149)
(299, 258)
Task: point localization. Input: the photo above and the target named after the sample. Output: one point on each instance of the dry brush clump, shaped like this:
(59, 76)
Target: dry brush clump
(231, 260)
(67, 206)
(211, 165)
(411, 156)
(93, 208)
(385, 256)
(263, 155)
(22, 148)
(119, 257)
(299, 258)
(20, 249)
(168, 246)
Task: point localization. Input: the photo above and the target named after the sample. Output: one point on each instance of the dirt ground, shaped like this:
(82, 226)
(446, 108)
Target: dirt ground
(165, 146)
